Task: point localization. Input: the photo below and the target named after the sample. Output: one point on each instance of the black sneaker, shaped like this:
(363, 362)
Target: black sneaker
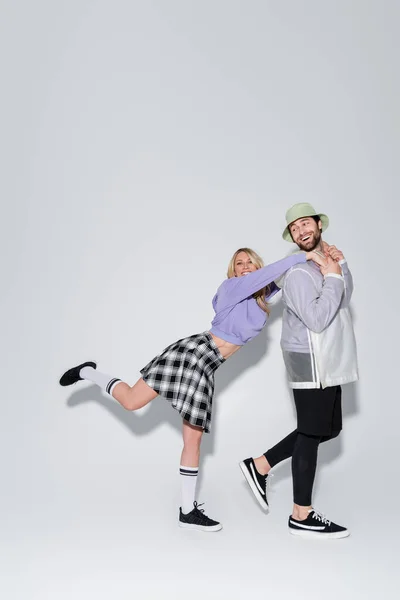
(256, 481)
(317, 526)
(72, 375)
(196, 519)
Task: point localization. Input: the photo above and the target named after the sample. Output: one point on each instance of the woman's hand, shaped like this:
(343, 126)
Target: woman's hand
(317, 257)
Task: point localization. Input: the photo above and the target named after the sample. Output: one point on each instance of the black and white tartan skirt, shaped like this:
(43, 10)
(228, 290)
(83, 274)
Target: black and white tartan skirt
(184, 374)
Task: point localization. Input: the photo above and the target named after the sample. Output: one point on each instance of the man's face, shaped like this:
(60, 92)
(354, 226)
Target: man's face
(306, 233)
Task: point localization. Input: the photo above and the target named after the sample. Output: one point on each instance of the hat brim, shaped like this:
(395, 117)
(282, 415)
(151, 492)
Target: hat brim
(323, 218)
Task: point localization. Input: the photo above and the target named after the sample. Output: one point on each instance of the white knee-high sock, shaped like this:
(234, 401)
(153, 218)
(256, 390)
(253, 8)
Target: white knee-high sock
(104, 381)
(188, 483)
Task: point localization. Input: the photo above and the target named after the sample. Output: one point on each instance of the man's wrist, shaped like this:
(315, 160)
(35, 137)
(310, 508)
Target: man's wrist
(335, 275)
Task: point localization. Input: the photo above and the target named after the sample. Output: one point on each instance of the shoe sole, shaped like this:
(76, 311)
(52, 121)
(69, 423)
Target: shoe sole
(320, 536)
(201, 527)
(253, 487)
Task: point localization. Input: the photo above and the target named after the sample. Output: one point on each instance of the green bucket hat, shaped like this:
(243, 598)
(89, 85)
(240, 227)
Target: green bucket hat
(299, 211)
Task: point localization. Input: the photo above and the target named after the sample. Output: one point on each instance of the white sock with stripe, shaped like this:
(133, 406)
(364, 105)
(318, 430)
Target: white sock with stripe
(104, 381)
(188, 483)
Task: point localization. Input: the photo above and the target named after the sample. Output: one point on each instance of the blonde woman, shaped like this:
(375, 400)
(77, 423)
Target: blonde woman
(184, 372)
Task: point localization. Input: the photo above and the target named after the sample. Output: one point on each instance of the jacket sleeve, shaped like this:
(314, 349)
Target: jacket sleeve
(236, 289)
(316, 309)
(348, 279)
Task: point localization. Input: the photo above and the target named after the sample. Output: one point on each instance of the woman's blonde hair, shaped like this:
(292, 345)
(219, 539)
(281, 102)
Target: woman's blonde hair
(258, 262)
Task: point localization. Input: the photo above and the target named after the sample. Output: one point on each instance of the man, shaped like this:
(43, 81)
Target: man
(319, 351)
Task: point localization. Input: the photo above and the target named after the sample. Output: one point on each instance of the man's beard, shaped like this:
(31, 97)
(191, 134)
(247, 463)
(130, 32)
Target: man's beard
(312, 243)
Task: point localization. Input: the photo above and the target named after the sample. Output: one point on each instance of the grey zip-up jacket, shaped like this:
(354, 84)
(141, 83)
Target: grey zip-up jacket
(318, 342)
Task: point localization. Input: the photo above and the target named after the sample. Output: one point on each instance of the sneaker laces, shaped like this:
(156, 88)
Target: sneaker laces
(321, 517)
(200, 514)
(196, 507)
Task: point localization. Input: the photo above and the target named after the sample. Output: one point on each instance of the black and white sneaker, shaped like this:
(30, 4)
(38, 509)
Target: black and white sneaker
(196, 519)
(72, 375)
(256, 481)
(317, 526)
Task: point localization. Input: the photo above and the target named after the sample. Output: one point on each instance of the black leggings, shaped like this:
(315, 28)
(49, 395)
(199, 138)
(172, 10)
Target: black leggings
(304, 451)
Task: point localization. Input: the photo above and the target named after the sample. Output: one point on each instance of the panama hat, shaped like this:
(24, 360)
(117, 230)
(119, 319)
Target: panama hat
(299, 211)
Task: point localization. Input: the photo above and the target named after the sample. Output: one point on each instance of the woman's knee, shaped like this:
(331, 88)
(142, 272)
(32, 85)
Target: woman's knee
(128, 400)
(137, 396)
(127, 404)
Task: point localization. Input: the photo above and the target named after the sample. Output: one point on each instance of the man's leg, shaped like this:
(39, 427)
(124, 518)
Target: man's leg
(304, 464)
(315, 414)
(281, 451)
(318, 417)
(256, 470)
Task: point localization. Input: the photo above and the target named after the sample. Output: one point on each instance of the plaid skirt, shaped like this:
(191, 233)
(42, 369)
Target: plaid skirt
(184, 374)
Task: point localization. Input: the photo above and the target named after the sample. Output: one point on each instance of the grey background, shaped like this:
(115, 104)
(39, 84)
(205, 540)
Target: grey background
(142, 143)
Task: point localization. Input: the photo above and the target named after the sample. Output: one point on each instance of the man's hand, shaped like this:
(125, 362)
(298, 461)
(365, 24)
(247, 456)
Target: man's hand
(332, 252)
(332, 266)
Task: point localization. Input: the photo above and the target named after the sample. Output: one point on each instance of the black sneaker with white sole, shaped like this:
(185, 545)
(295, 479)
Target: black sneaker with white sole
(256, 481)
(317, 526)
(196, 519)
(72, 375)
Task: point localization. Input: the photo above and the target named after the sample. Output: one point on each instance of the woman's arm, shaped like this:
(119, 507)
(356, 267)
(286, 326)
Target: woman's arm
(236, 289)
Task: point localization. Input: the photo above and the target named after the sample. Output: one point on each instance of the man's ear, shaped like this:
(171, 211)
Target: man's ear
(320, 225)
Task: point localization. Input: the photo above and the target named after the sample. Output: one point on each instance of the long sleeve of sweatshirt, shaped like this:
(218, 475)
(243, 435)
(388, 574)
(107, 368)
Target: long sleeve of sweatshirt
(348, 278)
(234, 290)
(315, 308)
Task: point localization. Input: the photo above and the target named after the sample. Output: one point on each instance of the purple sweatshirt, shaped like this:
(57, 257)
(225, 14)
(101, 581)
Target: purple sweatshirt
(238, 318)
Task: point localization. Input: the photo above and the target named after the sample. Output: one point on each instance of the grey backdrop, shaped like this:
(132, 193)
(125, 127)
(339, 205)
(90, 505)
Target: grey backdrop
(142, 143)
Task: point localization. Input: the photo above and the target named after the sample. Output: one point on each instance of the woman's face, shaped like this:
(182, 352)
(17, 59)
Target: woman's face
(243, 265)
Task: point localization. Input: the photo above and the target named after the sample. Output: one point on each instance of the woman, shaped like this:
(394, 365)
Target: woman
(184, 372)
